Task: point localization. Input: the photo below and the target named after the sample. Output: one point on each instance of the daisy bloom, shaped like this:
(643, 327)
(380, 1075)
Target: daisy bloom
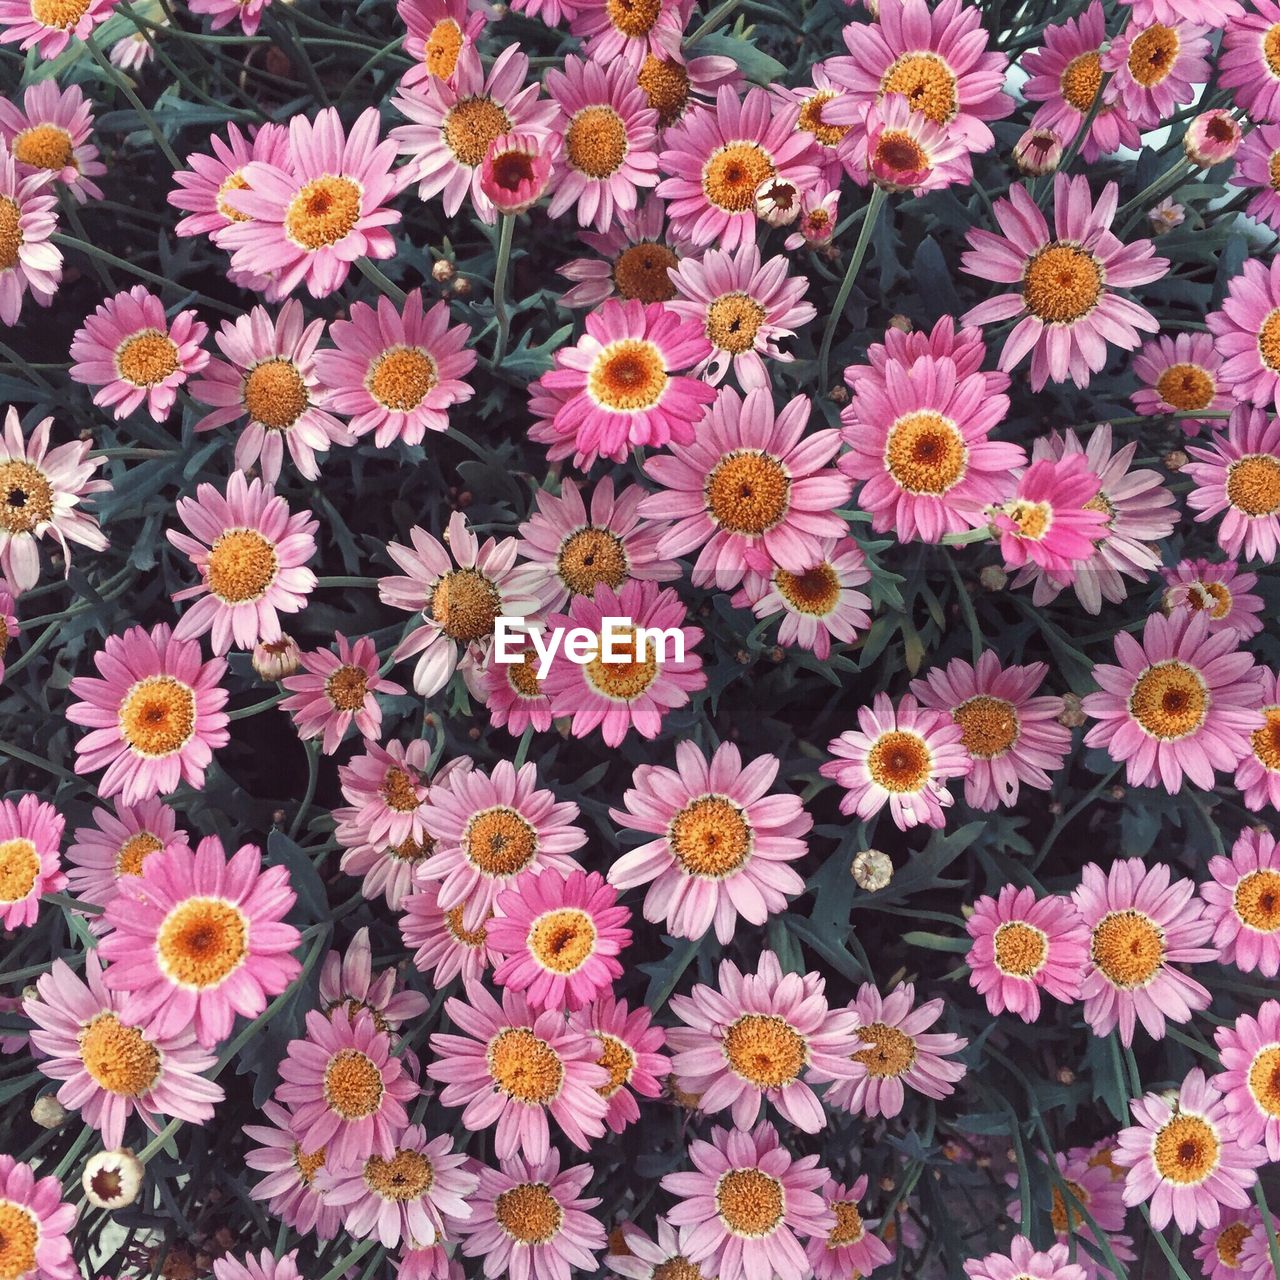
(387, 787)
(559, 935)
(1258, 774)
(337, 690)
(312, 217)
(1249, 61)
(1182, 701)
(1022, 945)
(30, 833)
(851, 1247)
(517, 170)
(403, 1198)
(50, 133)
(1065, 304)
(1181, 375)
(1258, 168)
(1183, 1158)
(460, 591)
(453, 123)
(628, 1045)
(29, 263)
(289, 1188)
(512, 692)
(1214, 14)
(1239, 473)
(1246, 333)
(757, 1037)
(37, 1222)
(223, 12)
(1065, 77)
(1142, 924)
(674, 85)
(1250, 1078)
(347, 980)
(513, 1068)
(626, 687)
(1213, 137)
(111, 1066)
(41, 495)
(645, 1258)
(1155, 68)
(898, 147)
(445, 948)
(1221, 1248)
(749, 1203)
(621, 381)
(1049, 521)
(901, 757)
(720, 841)
(199, 937)
(817, 111)
(269, 377)
(202, 188)
(345, 1088)
(818, 605)
(816, 224)
(437, 31)
(262, 1267)
(752, 490)
(48, 26)
(9, 627)
(135, 355)
(530, 1218)
(636, 253)
(1024, 1262)
(897, 1052)
(743, 308)
(490, 828)
(718, 157)
(1243, 901)
(155, 711)
(964, 347)
(1013, 736)
(1223, 592)
(396, 372)
(630, 33)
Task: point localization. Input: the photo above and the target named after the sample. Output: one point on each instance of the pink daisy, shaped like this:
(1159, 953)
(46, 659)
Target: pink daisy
(721, 841)
(1181, 702)
(633, 689)
(1246, 333)
(621, 381)
(29, 263)
(898, 147)
(1249, 61)
(1025, 1262)
(1142, 925)
(347, 979)
(675, 85)
(111, 1066)
(1156, 67)
(41, 495)
(1239, 474)
(897, 1053)
(289, 1188)
(445, 948)
(560, 936)
(757, 1037)
(155, 713)
(513, 695)
(1250, 1078)
(10, 630)
(1052, 520)
(1182, 376)
(396, 372)
(1013, 736)
(224, 12)
(262, 1267)
(628, 1044)
(817, 104)
(918, 434)
(1221, 1251)
(901, 757)
(635, 253)
(630, 33)
(816, 224)
(337, 690)
(1243, 901)
(530, 1218)
(437, 31)
(387, 787)
(718, 157)
(1065, 303)
(513, 1068)
(752, 490)
(453, 124)
(199, 937)
(1258, 774)
(345, 1088)
(50, 27)
(903, 347)
(1183, 1159)
(1020, 945)
(269, 377)
(490, 828)
(1214, 14)
(817, 605)
(30, 833)
(851, 1247)
(743, 308)
(37, 1222)
(135, 355)
(1222, 592)
(50, 133)
(645, 1258)
(517, 170)
(1258, 168)
(749, 1203)
(310, 218)
(251, 553)
(1213, 137)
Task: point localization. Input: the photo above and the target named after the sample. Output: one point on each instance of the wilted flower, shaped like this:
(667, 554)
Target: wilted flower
(872, 870)
(275, 659)
(777, 202)
(1038, 152)
(112, 1179)
(1212, 137)
(1165, 216)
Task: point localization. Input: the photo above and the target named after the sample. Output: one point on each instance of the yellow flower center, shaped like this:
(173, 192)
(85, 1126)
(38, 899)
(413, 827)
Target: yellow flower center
(1269, 340)
(467, 937)
(134, 852)
(1170, 700)
(1153, 54)
(408, 1175)
(1229, 1243)
(810, 119)
(19, 1237)
(400, 790)
(1066, 1220)
(307, 1165)
(232, 182)
(750, 1202)
(890, 1053)
(401, 377)
(1273, 170)
(590, 556)
(347, 688)
(849, 1228)
(900, 761)
(529, 1213)
(441, 48)
(1128, 947)
(1062, 283)
(1020, 949)
(522, 676)
(1080, 81)
(627, 680)
(158, 716)
(899, 152)
(732, 174)
(596, 141)
(990, 725)
(1266, 741)
(733, 320)
(26, 497)
(324, 212)
(1186, 387)
(465, 603)
(1034, 519)
(627, 375)
(563, 941)
(61, 15)
(147, 358)
(766, 1050)
(499, 841)
(665, 85)
(1271, 49)
(242, 565)
(928, 83)
(618, 1059)
(815, 592)
(710, 837)
(353, 1084)
(640, 272)
(202, 941)
(1257, 900)
(748, 492)
(677, 1267)
(44, 146)
(524, 1066)
(19, 867)
(1186, 1150)
(1253, 484)
(471, 125)
(1264, 1079)
(925, 453)
(633, 17)
(119, 1058)
(275, 393)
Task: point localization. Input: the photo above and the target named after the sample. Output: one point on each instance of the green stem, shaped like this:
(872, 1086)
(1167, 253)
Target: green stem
(846, 285)
(372, 274)
(981, 534)
(1169, 178)
(73, 1152)
(92, 250)
(38, 762)
(500, 311)
(313, 769)
(522, 751)
(1273, 1246)
(346, 581)
(243, 713)
(714, 19)
(113, 74)
(159, 1140)
(73, 904)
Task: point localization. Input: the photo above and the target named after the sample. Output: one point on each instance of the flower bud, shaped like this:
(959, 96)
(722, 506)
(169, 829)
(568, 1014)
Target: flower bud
(1165, 216)
(1212, 137)
(1176, 459)
(112, 1179)
(275, 659)
(48, 1112)
(872, 870)
(777, 202)
(1072, 714)
(817, 220)
(517, 170)
(443, 271)
(1038, 152)
(993, 578)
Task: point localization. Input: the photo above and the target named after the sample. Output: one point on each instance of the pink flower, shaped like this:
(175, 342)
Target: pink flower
(1142, 924)
(387, 787)
(816, 224)
(517, 170)
(1181, 702)
(1257, 160)
(1182, 376)
(631, 33)
(50, 133)
(721, 841)
(1024, 1262)
(203, 188)
(135, 355)
(636, 254)
(513, 695)
(346, 978)
(290, 1185)
(901, 757)
(898, 147)
(1243, 901)
(1184, 1160)
(1246, 62)
(1250, 1078)
(1212, 138)
(30, 833)
(1022, 945)
(198, 938)
(262, 1267)
(1049, 521)
(1222, 592)
(629, 1051)
(155, 714)
(445, 948)
(646, 1258)
(1221, 1251)
(437, 31)
(851, 1247)
(1258, 774)
(1239, 474)
(40, 1218)
(10, 630)
(1246, 333)
(1156, 67)
(823, 117)
(50, 29)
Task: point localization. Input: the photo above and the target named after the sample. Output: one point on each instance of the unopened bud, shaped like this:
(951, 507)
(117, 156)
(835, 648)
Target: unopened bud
(112, 1179)
(275, 659)
(1212, 137)
(777, 202)
(443, 271)
(872, 870)
(1072, 714)
(993, 578)
(1176, 459)
(1038, 152)
(901, 323)
(461, 287)
(48, 1112)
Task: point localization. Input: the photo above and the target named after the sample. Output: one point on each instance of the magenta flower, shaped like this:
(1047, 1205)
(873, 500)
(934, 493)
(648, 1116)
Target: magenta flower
(1049, 522)
(1250, 1078)
(635, 255)
(30, 835)
(1182, 375)
(29, 261)
(1025, 1262)
(36, 1216)
(202, 189)
(517, 170)
(851, 1247)
(898, 147)
(1257, 159)
(1243, 901)
(1247, 62)
(50, 28)
(1258, 774)
(1222, 592)
(290, 1185)
(445, 948)
(1156, 67)
(346, 978)
(1239, 474)
(436, 33)
(629, 1047)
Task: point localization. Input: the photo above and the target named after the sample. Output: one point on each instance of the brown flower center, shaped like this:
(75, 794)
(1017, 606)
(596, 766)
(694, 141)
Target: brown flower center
(353, 1084)
(810, 120)
(925, 453)
(618, 1059)
(890, 1053)
(1257, 900)
(633, 18)
(19, 868)
(441, 48)
(19, 1237)
(990, 725)
(529, 1213)
(1153, 54)
(640, 272)
(61, 15)
(1266, 740)
(1264, 1079)
(158, 716)
(499, 841)
(1020, 949)
(1253, 484)
(44, 146)
(849, 1228)
(242, 565)
(665, 85)
(628, 375)
(1186, 1150)
(466, 604)
(590, 556)
(626, 680)
(1081, 80)
(563, 941)
(408, 1175)
(347, 687)
(596, 141)
(733, 320)
(134, 852)
(900, 761)
(26, 497)
(1186, 387)
(147, 358)
(750, 1202)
